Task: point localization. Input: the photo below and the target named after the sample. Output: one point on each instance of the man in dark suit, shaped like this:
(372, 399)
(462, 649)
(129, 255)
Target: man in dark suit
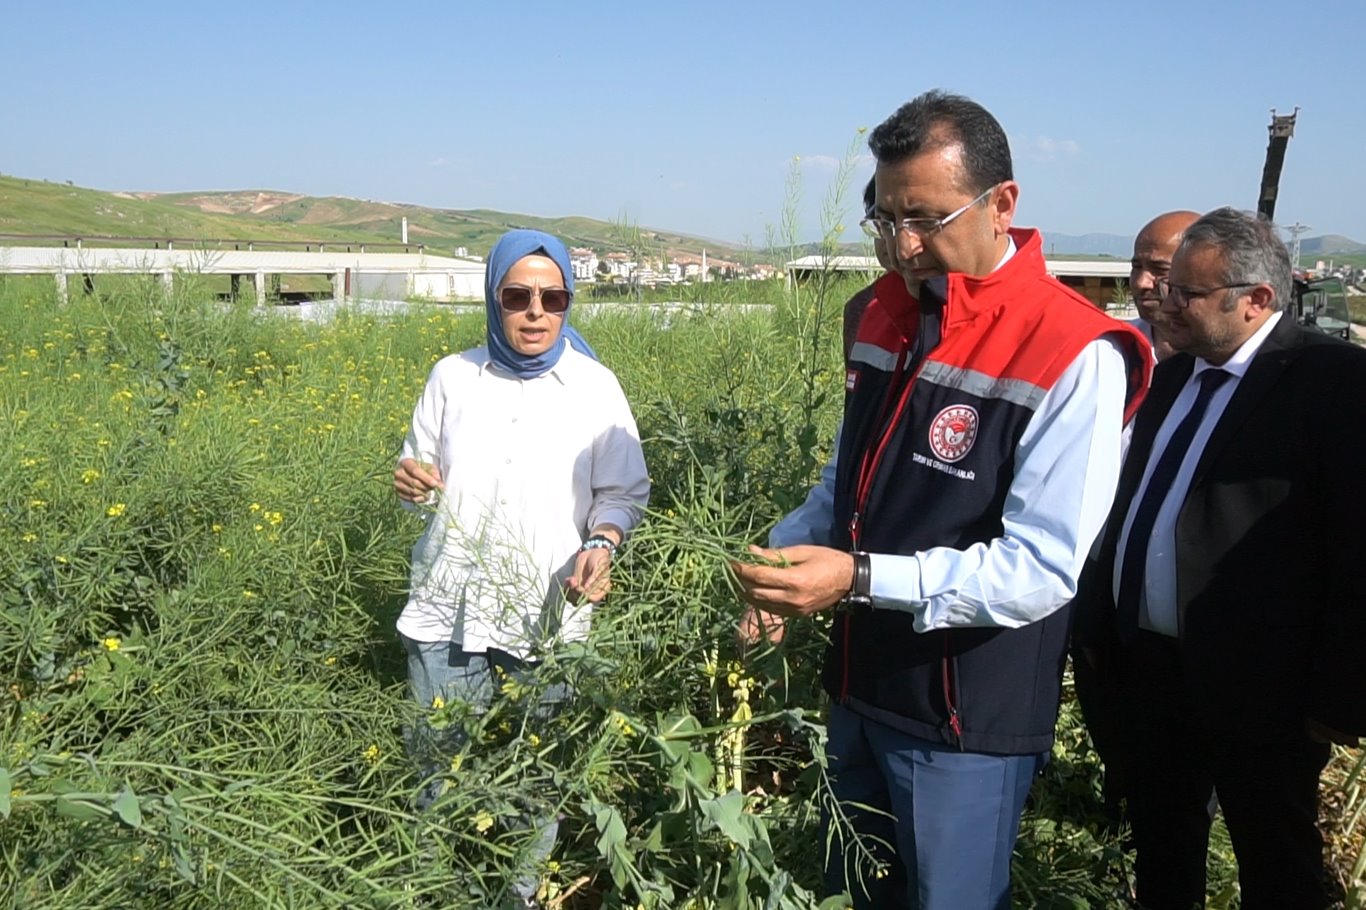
(1230, 588)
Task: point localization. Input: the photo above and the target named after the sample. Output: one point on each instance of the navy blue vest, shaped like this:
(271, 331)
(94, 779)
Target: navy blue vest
(938, 394)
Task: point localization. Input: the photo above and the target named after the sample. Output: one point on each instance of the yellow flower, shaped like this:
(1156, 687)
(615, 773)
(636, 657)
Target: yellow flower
(38, 503)
(29, 537)
(330, 660)
(89, 475)
(482, 821)
(111, 643)
(371, 755)
(115, 510)
(438, 703)
(534, 740)
(248, 594)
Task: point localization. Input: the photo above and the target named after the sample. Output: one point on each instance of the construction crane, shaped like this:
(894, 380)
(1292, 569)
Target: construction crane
(1320, 303)
(1281, 129)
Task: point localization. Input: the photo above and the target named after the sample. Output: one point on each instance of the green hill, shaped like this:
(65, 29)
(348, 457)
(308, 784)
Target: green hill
(39, 207)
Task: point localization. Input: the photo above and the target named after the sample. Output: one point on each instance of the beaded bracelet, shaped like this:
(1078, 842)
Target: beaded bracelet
(599, 542)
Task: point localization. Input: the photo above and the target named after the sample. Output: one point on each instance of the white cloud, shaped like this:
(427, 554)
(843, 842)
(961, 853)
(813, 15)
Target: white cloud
(438, 162)
(826, 163)
(1046, 148)
(821, 162)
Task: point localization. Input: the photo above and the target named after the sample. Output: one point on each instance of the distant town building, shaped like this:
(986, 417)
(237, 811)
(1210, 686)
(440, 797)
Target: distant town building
(584, 262)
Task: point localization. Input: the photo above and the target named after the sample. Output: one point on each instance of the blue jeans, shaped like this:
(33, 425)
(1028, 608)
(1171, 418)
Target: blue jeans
(943, 822)
(444, 669)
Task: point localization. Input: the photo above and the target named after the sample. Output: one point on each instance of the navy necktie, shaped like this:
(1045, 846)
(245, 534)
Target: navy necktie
(1159, 484)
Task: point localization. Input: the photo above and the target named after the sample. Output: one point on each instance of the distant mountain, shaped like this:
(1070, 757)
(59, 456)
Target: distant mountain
(1122, 247)
(1114, 245)
(1330, 243)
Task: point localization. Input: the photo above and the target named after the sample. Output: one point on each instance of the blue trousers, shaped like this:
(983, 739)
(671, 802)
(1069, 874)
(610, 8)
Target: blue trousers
(444, 669)
(941, 823)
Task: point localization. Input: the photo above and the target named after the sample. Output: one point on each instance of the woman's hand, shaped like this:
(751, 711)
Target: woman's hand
(592, 576)
(414, 480)
(593, 567)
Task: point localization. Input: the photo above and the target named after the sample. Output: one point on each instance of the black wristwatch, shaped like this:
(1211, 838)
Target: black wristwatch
(861, 593)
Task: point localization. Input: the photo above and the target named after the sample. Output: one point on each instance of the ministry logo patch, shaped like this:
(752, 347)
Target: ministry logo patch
(953, 432)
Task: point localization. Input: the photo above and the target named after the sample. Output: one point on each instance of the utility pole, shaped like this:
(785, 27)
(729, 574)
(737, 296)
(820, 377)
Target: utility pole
(1296, 230)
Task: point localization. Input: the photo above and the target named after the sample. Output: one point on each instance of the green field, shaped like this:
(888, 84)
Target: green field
(203, 696)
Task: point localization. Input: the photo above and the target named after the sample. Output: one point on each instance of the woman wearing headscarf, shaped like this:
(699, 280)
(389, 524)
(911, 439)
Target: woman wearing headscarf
(528, 456)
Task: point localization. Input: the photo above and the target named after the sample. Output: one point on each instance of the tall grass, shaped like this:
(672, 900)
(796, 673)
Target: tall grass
(203, 697)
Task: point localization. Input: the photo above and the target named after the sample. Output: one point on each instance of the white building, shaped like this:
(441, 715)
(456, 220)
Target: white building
(584, 263)
(620, 265)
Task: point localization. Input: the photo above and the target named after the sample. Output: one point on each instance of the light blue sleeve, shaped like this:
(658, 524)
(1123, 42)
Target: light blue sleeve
(812, 522)
(1067, 468)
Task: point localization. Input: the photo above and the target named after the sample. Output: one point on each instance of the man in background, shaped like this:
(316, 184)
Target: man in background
(1154, 248)
(1230, 585)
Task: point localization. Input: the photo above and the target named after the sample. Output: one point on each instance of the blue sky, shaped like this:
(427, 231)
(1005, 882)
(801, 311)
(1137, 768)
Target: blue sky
(686, 116)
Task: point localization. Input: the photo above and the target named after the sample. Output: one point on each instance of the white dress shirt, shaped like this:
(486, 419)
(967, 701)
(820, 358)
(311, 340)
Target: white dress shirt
(529, 466)
(1066, 469)
(1157, 609)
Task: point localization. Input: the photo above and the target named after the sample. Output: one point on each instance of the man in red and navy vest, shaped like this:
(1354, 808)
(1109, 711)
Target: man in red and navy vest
(975, 466)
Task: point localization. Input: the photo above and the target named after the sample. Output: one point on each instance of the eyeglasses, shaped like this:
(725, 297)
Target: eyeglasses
(514, 298)
(887, 229)
(1182, 296)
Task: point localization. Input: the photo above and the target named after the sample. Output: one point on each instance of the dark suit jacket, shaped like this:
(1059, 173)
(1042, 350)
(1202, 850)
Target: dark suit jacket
(1270, 542)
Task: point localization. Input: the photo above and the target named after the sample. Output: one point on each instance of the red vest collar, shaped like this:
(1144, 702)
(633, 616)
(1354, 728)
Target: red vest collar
(969, 296)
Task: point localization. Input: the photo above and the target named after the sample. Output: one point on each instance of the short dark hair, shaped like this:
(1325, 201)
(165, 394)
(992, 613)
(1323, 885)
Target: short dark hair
(937, 119)
(870, 196)
(1251, 248)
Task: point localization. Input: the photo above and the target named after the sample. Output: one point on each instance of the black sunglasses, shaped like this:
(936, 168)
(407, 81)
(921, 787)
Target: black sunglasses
(515, 298)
